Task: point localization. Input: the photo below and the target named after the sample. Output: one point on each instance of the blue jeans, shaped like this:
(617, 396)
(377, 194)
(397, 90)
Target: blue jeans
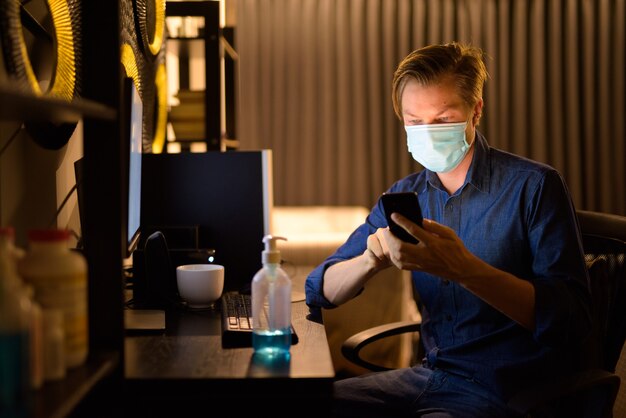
(415, 392)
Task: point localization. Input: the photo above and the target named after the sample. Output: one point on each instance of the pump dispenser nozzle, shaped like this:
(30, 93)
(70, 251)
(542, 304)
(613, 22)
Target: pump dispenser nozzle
(271, 255)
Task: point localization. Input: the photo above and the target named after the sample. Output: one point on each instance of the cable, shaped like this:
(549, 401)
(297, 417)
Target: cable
(56, 215)
(11, 138)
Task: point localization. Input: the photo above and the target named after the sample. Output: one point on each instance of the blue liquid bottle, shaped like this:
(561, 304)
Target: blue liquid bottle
(271, 304)
(14, 333)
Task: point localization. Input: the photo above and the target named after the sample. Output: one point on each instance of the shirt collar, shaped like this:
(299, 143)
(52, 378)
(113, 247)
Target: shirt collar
(479, 173)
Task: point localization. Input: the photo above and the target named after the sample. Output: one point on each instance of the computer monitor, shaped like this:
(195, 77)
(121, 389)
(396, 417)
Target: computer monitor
(131, 135)
(226, 196)
(132, 150)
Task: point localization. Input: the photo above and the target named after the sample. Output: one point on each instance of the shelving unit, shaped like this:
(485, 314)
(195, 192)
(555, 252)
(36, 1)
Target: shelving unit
(103, 206)
(99, 385)
(59, 398)
(209, 36)
(102, 373)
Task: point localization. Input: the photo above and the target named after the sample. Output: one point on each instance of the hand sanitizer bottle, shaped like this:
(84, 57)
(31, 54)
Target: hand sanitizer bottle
(271, 303)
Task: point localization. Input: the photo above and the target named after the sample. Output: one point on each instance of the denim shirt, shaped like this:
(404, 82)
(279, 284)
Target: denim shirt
(516, 215)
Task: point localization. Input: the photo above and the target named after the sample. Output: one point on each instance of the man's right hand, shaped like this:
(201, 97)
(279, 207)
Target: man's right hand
(377, 251)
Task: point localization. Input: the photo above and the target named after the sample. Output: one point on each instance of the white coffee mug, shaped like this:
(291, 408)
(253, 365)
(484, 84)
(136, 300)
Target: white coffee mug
(200, 285)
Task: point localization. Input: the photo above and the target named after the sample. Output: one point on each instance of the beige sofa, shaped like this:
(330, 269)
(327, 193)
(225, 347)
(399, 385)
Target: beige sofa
(313, 233)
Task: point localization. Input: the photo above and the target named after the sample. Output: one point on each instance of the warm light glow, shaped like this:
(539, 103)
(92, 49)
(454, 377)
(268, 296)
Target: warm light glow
(159, 27)
(160, 83)
(130, 64)
(173, 148)
(197, 147)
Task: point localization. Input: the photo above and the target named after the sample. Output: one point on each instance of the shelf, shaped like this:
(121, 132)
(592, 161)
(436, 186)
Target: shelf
(186, 38)
(230, 143)
(57, 399)
(210, 35)
(96, 40)
(15, 105)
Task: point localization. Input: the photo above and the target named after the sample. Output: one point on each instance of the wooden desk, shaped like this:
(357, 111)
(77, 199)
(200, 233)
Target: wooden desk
(186, 367)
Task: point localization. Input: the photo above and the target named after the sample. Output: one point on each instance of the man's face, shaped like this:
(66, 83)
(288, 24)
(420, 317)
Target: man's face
(437, 103)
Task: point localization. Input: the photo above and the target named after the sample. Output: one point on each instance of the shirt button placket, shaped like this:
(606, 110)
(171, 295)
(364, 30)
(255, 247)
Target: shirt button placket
(451, 214)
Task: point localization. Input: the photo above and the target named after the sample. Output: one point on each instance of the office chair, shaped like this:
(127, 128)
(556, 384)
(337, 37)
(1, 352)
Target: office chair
(590, 392)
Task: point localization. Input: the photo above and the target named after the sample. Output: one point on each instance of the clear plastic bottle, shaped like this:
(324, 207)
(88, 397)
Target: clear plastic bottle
(59, 277)
(15, 376)
(271, 303)
(35, 337)
(54, 342)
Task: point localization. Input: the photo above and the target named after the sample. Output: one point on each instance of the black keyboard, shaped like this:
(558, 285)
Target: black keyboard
(237, 320)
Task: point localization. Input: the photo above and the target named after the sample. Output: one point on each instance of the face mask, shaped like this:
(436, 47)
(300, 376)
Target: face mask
(438, 147)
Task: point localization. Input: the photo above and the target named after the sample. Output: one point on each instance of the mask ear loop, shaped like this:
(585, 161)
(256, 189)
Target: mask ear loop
(477, 113)
(475, 119)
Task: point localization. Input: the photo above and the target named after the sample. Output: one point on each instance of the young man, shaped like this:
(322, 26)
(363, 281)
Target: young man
(499, 266)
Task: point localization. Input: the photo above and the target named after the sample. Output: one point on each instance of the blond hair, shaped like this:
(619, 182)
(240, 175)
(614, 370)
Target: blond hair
(430, 64)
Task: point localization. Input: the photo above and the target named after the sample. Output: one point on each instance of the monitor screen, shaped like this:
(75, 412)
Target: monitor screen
(134, 130)
(131, 143)
(227, 196)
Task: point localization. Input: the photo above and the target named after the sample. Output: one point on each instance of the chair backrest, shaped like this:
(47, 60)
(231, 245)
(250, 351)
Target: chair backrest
(604, 242)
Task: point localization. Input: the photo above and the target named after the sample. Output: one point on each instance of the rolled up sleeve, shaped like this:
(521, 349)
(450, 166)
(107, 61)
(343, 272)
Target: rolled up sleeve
(354, 245)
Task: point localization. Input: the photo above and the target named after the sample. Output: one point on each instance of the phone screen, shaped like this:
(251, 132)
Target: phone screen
(407, 204)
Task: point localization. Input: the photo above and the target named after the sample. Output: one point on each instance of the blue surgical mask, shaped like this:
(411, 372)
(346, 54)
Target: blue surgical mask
(438, 147)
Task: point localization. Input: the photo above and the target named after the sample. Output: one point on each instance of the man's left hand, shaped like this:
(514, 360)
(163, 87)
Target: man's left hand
(439, 252)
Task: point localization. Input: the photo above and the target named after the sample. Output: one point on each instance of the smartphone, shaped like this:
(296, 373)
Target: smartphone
(406, 204)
